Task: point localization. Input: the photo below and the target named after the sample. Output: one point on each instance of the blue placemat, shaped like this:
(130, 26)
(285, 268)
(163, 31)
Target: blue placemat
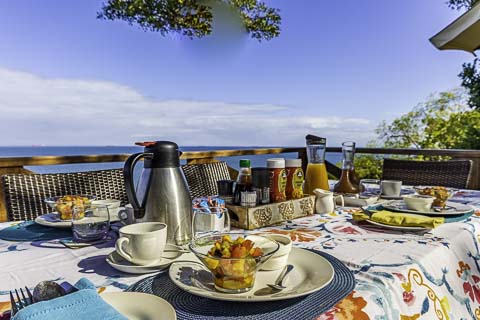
(191, 307)
(31, 231)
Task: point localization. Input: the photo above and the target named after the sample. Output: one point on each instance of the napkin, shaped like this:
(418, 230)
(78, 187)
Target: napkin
(80, 305)
(399, 219)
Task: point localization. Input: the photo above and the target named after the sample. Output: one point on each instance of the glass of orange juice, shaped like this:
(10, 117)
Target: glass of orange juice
(316, 176)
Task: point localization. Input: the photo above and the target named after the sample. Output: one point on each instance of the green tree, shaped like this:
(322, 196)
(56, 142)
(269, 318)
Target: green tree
(191, 18)
(442, 122)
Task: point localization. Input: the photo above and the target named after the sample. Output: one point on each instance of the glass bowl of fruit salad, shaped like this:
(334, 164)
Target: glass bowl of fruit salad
(233, 258)
(64, 205)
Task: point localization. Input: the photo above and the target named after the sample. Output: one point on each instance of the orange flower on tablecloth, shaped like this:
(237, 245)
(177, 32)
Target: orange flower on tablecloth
(349, 308)
(300, 234)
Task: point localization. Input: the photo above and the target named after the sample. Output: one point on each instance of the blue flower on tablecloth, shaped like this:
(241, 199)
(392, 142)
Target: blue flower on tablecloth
(13, 247)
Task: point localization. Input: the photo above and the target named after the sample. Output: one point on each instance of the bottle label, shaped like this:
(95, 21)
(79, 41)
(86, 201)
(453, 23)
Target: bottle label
(297, 183)
(282, 181)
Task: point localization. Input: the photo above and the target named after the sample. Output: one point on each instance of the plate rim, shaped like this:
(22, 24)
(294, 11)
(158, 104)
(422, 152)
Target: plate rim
(155, 297)
(404, 228)
(252, 298)
(62, 223)
(429, 213)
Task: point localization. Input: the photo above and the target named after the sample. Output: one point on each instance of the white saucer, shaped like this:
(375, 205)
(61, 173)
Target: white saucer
(52, 220)
(118, 262)
(137, 305)
(311, 273)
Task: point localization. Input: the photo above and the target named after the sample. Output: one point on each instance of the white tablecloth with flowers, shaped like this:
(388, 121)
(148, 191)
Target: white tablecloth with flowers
(400, 275)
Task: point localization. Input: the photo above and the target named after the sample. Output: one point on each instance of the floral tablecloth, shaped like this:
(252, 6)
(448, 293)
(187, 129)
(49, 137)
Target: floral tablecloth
(400, 275)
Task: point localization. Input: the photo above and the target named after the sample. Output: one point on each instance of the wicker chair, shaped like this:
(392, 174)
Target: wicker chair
(453, 173)
(25, 193)
(202, 178)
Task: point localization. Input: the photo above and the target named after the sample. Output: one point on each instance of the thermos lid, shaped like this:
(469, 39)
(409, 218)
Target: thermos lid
(311, 139)
(245, 163)
(276, 163)
(293, 163)
(165, 154)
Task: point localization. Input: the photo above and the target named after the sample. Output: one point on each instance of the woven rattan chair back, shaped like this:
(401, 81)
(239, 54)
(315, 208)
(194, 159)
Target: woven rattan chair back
(202, 178)
(453, 173)
(25, 193)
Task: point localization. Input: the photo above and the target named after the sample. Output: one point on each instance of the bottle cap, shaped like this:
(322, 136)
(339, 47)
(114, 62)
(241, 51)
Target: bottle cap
(276, 163)
(293, 163)
(245, 163)
(311, 139)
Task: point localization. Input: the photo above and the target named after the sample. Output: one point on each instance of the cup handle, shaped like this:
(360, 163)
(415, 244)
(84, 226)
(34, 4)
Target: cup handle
(119, 248)
(341, 200)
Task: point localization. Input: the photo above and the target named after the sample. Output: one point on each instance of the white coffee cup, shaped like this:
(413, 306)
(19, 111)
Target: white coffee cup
(325, 201)
(142, 243)
(390, 188)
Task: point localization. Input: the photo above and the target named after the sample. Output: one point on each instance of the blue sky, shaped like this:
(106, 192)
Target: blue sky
(337, 69)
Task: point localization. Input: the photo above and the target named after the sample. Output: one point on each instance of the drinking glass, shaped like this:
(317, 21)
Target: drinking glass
(90, 223)
(208, 221)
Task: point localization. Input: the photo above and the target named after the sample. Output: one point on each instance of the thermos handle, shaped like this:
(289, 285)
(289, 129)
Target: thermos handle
(128, 168)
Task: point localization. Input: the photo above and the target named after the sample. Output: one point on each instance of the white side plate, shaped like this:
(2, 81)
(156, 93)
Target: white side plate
(137, 305)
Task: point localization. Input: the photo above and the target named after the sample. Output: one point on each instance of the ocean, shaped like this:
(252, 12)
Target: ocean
(257, 161)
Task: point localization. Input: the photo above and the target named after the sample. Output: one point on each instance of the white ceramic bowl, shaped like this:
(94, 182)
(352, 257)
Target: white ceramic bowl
(112, 205)
(418, 202)
(279, 258)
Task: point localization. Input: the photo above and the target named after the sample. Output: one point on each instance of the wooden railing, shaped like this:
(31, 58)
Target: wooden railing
(18, 164)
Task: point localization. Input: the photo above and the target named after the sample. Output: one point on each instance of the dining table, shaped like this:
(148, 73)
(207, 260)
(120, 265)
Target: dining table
(399, 274)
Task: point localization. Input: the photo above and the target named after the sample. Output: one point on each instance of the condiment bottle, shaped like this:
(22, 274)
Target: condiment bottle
(294, 188)
(277, 179)
(316, 175)
(345, 185)
(244, 181)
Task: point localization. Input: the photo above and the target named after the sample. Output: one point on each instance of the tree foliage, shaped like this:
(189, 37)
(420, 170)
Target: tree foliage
(470, 76)
(461, 4)
(191, 18)
(442, 122)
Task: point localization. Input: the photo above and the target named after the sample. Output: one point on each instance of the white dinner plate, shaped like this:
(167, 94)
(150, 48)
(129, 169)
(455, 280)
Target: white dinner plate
(400, 228)
(451, 209)
(52, 220)
(118, 262)
(139, 306)
(311, 273)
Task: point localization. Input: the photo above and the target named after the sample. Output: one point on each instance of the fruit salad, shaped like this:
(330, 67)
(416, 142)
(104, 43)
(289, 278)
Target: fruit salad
(233, 263)
(66, 204)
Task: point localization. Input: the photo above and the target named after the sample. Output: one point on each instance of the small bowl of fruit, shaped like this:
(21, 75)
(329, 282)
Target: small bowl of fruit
(441, 194)
(65, 205)
(233, 258)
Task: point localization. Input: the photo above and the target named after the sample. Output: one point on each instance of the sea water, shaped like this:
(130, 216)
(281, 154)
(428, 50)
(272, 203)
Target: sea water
(256, 160)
